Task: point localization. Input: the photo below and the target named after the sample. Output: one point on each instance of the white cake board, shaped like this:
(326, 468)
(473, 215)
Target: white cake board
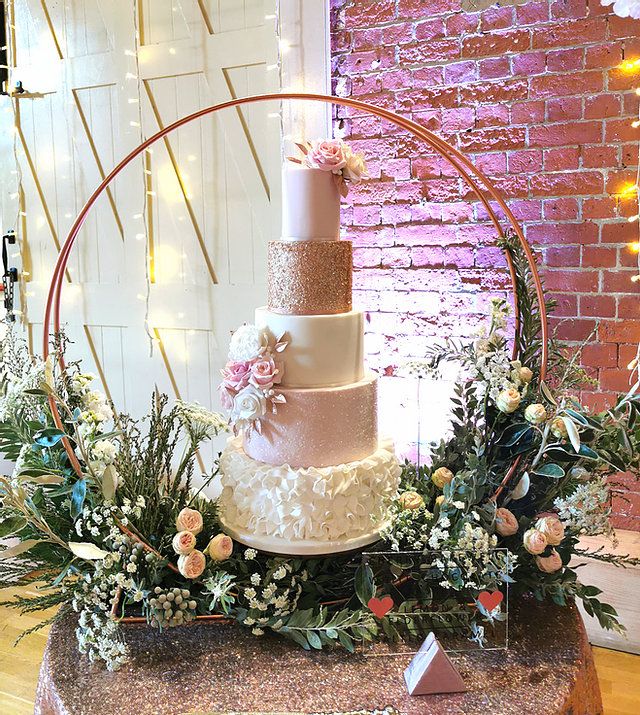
(282, 547)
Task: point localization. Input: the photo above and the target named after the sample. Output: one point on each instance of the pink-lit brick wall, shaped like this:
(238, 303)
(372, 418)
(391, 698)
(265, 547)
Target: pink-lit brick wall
(534, 95)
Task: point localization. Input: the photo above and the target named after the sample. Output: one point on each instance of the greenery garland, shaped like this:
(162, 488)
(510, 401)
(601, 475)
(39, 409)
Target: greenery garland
(523, 473)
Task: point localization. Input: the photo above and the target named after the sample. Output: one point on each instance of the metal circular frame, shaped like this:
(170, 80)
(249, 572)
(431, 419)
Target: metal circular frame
(479, 185)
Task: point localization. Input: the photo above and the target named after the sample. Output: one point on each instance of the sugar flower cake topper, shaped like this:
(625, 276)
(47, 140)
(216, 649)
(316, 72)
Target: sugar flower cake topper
(248, 378)
(336, 156)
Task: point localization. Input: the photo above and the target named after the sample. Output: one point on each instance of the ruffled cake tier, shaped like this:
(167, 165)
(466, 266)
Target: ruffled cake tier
(306, 511)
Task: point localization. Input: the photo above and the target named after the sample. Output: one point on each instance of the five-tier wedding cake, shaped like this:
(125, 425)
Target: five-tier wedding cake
(306, 472)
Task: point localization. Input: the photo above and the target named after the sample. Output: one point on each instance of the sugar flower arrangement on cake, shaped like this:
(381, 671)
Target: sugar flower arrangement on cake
(250, 376)
(336, 156)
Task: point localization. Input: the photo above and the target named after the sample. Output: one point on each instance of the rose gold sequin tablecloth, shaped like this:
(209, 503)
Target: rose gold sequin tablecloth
(222, 669)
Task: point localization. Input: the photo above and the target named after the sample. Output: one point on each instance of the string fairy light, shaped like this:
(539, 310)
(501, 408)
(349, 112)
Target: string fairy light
(628, 191)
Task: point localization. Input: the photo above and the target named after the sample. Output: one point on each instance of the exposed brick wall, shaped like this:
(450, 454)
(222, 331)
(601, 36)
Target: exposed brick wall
(534, 95)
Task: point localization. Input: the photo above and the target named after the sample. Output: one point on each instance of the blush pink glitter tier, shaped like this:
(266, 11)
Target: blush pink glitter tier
(319, 427)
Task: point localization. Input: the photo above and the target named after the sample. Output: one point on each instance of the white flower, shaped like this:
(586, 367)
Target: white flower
(255, 579)
(104, 450)
(246, 343)
(250, 554)
(624, 8)
(257, 631)
(96, 407)
(248, 405)
(250, 593)
(279, 573)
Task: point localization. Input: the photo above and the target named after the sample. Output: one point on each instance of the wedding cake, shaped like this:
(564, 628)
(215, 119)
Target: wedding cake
(306, 472)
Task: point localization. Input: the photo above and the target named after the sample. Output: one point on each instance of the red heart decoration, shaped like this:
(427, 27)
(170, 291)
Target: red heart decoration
(490, 601)
(381, 606)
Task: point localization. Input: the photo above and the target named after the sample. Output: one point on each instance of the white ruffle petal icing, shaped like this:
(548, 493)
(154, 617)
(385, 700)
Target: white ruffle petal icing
(307, 503)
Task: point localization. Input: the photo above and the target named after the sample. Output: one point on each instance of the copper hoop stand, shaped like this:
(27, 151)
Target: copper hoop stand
(465, 168)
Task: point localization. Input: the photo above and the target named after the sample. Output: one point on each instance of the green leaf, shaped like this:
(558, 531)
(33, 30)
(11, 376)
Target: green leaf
(109, 482)
(346, 640)
(87, 551)
(514, 433)
(314, 640)
(555, 471)
(78, 494)
(11, 525)
(572, 431)
(296, 636)
(364, 584)
(544, 389)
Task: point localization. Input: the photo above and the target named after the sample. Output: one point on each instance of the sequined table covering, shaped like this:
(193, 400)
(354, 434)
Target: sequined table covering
(203, 668)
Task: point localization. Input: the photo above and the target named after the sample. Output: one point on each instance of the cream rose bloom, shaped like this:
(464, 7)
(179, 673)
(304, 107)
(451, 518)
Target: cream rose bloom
(525, 374)
(189, 520)
(549, 564)
(535, 414)
(184, 542)
(220, 547)
(558, 428)
(410, 500)
(193, 564)
(506, 522)
(442, 476)
(508, 400)
(440, 500)
(552, 528)
(355, 169)
(535, 542)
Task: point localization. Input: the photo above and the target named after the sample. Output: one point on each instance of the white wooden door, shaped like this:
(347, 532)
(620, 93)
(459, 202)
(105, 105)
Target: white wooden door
(193, 217)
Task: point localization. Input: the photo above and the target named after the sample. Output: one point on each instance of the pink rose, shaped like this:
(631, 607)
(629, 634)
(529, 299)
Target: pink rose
(189, 520)
(552, 528)
(192, 565)
(328, 155)
(220, 547)
(226, 397)
(263, 373)
(506, 523)
(235, 375)
(535, 542)
(549, 564)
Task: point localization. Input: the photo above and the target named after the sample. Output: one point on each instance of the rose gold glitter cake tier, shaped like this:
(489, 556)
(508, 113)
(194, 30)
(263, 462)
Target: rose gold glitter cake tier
(207, 669)
(309, 277)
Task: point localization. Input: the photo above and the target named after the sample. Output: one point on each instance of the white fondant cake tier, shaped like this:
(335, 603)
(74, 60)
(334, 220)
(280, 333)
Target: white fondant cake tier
(310, 204)
(311, 510)
(318, 426)
(322, 350)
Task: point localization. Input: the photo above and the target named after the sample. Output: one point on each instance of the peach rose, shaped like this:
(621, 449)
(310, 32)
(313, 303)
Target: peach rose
(551, 563)
(193, 564)
(552, 528)
(508, 400)
(189, 520)
(535, 414)
(535, 542)
(410, 500)
(263, 373)
(328, 155)
(184, 542)
(506, 522)
(442, 476)
(220, 547)
(558, 428)
(525, 374)
(440, 500)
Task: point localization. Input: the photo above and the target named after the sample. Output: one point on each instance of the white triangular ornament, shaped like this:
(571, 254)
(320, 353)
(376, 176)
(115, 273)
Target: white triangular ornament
(431, 671)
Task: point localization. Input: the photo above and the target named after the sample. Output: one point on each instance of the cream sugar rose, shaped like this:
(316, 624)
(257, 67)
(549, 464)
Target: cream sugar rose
(307, 472)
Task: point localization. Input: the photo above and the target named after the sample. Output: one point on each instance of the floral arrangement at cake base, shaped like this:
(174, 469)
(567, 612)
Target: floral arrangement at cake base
(525, 471)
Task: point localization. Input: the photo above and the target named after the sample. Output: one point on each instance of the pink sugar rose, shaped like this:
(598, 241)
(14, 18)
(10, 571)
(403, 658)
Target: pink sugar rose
(189, 520)
(235, 375)
(328, 155)
(184, 542)
(226, 397)
(506, 522)
(263, 373)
